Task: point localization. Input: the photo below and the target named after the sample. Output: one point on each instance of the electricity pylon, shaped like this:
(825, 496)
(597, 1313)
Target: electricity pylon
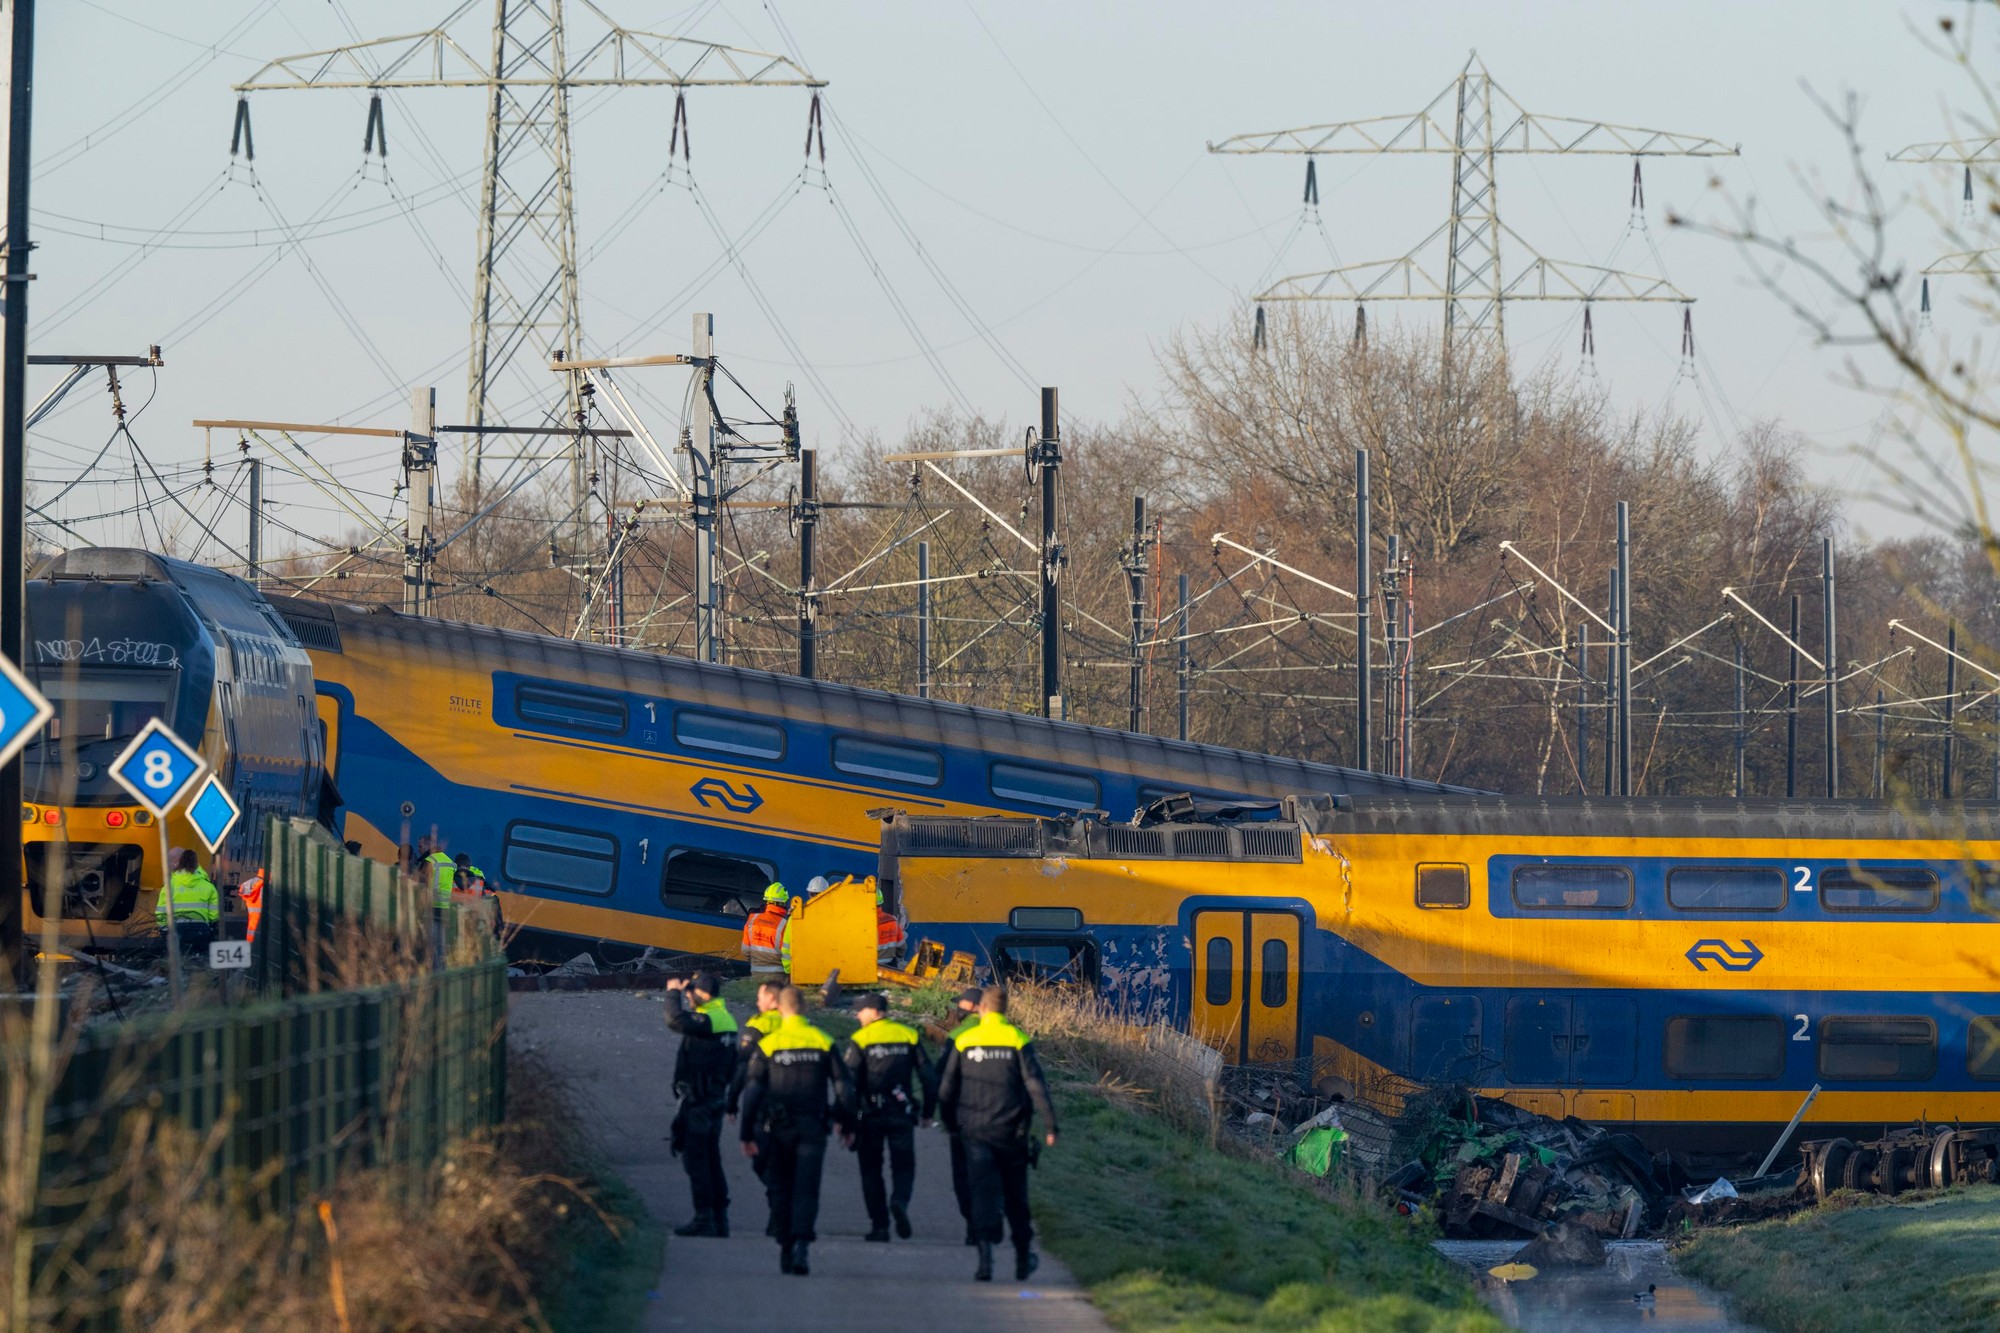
(1474, 121)
(1965, 152)
(525, 283)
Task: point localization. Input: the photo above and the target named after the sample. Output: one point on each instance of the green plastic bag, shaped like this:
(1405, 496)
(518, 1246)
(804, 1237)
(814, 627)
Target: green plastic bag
(1318, 1150)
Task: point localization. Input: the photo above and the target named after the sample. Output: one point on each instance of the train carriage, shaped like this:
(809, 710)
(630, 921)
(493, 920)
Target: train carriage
(1684, 969)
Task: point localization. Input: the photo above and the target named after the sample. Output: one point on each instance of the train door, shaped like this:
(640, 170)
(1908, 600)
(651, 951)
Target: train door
(1246, 985)
(1556, 1041)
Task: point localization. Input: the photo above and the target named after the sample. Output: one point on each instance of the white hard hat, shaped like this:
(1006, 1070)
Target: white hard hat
(817, 884)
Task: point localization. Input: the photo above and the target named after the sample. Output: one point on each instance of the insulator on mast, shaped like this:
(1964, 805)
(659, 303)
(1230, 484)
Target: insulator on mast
(1687, 333)
(240, 137)
(1312, 184)
(815, 126)
(680, 138)
(1360, 326)
(1589, 334)
(376, 136)
(1638, 188)
(1257, 331)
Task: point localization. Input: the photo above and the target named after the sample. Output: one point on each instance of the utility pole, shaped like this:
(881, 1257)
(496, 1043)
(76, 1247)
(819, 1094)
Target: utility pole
(1135, 575)
(419, 472)
(1186, 662)
(1611, 692)
(1950, 710)
(1364, 594)
(1048, 462)
(1792, 708)
(1742, 739)
(1881, 747)
(707, 494)
(1624, 648)
(923, 620)
(20, 28)
(524, 298)
(254, 539)
(1474, 122)
(1583, 708)
(808, 591)
(1828, 673)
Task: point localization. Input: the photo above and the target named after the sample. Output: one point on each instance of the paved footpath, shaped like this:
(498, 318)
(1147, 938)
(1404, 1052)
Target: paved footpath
(617, 1056)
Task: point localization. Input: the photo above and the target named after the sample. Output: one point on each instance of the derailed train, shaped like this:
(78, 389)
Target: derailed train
(1685, 969)
(621, 799)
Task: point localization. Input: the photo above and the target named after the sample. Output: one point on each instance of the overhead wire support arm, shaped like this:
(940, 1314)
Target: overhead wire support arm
(1259, 557)
(1508, 548)
(1783, 637)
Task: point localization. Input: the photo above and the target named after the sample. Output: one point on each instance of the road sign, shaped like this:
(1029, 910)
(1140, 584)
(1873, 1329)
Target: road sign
(225, 954)
(23, 710)
(212, 813)
(157, 767)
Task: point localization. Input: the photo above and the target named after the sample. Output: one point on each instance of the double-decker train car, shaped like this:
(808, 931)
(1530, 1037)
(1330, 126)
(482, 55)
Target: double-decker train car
(625, 799)
(117, 637)
(1686, 970)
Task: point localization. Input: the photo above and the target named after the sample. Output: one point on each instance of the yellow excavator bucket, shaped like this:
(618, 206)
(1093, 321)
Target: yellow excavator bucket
(835, 931)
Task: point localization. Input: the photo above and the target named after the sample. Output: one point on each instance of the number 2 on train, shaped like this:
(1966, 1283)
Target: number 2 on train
(1805, 879)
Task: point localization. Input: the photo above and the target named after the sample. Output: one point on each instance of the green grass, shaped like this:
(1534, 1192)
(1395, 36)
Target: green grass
(1930, 1263)
(603, 1281)
(1169, 1234)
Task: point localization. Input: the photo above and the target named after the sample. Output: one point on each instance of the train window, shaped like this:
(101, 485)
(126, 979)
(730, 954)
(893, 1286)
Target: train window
(880, 759)
(1277, 964)
(1043, 959)
(1555, 887)
(1725, 1046)
(566, 860)
(1878, 1049)
(577, 709)
(1982, 1048)
(692, 880)
(1878, 889)
(1444, 886)
(731, 735)
(1045, 918)
(1221, 968)
(1044, 786)
(1726, 888)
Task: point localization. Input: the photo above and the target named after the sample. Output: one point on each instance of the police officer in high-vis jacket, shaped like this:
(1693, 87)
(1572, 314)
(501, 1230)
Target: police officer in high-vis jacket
(990, 1090)
(795, 1087)
(702, 1073)
(894, 1088)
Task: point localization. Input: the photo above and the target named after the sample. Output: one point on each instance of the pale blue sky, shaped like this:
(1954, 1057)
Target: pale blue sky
(1049, 158)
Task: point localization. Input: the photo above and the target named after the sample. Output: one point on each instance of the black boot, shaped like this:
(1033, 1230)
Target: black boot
(702, 1224)
(784, 1257)
(721, 1223)
(984, 1273)
(1026, 1261)
(878, 1234)
(902, 1216)
(799, 1265)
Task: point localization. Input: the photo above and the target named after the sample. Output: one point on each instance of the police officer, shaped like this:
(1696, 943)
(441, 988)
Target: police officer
(761, 1025)
(967, 1005)
(785, 1118)
(702, 1071)
(990, 1090)
(894, 1088)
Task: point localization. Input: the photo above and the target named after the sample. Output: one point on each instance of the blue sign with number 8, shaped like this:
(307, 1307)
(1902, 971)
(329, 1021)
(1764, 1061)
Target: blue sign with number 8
(158, 767)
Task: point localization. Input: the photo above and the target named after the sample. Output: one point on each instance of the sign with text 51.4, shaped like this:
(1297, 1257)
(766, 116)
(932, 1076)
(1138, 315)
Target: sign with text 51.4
(226, 954)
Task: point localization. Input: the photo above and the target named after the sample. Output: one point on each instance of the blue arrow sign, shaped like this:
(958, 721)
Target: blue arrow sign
(212, 813)
(739, 802)
(1723, 956)
(23, 710)
(158, 767)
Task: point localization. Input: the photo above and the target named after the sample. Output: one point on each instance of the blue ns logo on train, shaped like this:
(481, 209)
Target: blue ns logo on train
(1739, 958)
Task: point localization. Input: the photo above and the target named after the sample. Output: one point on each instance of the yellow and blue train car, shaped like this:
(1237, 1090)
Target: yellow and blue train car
(626, 799)
(1682, 969)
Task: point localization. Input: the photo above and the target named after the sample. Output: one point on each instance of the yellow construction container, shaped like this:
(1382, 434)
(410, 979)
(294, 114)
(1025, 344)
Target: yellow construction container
(835, 931)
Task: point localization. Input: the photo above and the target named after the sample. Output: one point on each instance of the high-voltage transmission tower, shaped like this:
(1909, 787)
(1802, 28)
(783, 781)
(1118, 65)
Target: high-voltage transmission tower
(525, 283)
(1475, 122)
(1956, 152)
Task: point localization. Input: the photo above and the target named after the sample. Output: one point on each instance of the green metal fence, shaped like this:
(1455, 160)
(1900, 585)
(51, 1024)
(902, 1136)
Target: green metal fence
(303, 1082)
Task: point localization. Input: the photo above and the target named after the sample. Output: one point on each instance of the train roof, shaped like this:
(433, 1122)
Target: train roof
(320, 625)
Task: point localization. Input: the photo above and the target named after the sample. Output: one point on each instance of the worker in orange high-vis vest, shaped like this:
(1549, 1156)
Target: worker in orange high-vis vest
(762, 932)
(251, 891)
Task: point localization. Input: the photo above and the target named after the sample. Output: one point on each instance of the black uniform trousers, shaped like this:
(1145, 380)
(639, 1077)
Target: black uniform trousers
(998, 1175)
(898, 1135)
(961, 1186)
(798, 1157)
(701, 1154)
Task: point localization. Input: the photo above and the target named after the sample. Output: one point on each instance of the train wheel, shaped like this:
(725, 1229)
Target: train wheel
(1829, 1164)
(1858, 1173)
(1940, 1176)
(1899, 1161)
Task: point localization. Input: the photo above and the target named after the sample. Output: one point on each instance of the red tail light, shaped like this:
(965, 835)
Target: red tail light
(114, 819)
(52, 816)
